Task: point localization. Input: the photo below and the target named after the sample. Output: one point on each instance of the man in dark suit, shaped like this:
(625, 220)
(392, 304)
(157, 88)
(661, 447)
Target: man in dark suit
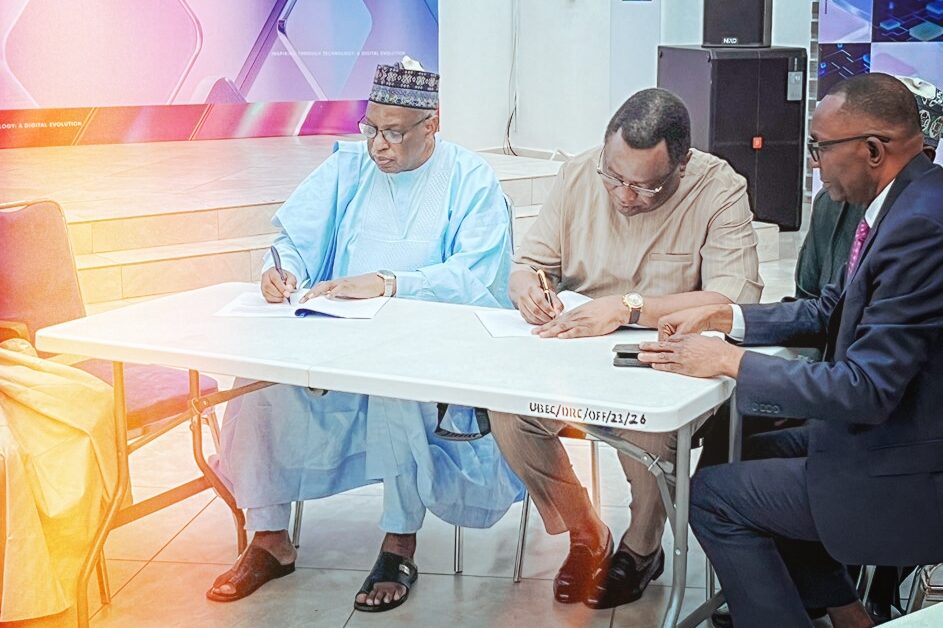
(822, 260)
(865, 484)
(833, 223)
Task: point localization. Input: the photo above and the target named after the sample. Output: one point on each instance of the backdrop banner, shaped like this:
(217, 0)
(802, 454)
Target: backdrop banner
(114, 71)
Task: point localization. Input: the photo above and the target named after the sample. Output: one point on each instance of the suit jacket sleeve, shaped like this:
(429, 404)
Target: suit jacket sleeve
(900, 325)
(800, 323)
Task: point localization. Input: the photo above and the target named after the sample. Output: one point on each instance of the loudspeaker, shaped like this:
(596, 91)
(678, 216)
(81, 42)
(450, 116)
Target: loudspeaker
(738, 23)
(747, 106)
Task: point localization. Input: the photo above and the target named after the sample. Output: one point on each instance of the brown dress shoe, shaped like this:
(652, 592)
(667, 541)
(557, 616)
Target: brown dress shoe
(577, 575)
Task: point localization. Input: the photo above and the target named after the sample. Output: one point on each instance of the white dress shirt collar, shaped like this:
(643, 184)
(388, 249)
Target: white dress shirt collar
(871, 214)
(738, 327)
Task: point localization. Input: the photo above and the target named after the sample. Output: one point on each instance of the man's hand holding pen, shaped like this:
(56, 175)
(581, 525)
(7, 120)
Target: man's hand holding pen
(535, 299)
(277, 283)
(275, 289)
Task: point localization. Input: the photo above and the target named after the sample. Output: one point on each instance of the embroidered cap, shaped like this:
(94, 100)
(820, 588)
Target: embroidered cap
(930, 105)
(405, 84)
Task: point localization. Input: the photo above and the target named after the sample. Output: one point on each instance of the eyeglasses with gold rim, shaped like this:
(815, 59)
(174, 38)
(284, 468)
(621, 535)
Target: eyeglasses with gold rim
(638, 189)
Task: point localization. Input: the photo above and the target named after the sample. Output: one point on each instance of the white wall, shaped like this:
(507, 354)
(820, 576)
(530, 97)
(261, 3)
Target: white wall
(475, 65)
(577, 61)
(563, 75)
(792, 23)
(633, 56)
(682, 21)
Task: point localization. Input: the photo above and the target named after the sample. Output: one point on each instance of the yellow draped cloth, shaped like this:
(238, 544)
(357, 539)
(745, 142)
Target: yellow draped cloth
(58, 466)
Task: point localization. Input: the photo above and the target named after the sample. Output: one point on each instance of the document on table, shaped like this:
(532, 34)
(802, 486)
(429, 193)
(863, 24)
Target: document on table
(253, 305)
(509, 323)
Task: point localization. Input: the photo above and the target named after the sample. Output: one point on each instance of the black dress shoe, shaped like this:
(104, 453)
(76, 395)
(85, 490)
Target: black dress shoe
(880, 612)
(721, 617)
(626, 579)
(577, 575)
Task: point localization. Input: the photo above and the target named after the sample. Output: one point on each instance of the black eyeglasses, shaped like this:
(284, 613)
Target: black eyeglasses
(392, 136)
(816, 147)
(638, 189)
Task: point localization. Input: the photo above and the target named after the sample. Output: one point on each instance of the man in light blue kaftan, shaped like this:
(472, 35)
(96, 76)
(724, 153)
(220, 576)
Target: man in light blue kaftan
(430, 217)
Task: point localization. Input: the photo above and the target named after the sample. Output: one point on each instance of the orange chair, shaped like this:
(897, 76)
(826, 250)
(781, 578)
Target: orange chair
(39, 287)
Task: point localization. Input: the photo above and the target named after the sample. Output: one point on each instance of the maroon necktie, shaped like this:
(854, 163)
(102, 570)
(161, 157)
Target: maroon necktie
(861, 234)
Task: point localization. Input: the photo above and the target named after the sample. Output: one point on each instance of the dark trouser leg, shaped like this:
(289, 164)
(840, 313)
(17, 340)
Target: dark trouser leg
(738, 513)
(803, 559)
(716, 436)
(885, 586)
(886, 583)
(790, 442)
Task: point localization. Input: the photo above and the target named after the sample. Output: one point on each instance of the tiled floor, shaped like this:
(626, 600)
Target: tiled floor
(161, 566)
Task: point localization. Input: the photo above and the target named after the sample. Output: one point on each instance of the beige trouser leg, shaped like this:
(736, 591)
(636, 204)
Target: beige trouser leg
(533, 449)
(647, 511)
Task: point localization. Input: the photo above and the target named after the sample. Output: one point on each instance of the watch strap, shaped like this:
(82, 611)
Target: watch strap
(389, 281)
(635, 312)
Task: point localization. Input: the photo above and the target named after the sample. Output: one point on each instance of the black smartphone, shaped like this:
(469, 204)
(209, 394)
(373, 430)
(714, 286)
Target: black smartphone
(627, 355)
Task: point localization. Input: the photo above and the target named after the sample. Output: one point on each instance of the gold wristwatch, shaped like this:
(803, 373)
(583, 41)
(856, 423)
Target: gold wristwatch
(634, 302)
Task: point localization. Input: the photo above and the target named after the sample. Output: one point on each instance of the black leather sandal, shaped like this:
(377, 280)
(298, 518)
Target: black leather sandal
(253, 569)
(388, 568)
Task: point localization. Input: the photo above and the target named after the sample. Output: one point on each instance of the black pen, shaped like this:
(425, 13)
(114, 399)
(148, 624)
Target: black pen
(276, 258)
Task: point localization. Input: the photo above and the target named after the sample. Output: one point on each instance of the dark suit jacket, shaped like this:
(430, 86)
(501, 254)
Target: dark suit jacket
(875, 461)
(825, 249)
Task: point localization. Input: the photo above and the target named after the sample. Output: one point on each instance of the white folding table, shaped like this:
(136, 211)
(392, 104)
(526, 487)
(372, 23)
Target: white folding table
(415, 350)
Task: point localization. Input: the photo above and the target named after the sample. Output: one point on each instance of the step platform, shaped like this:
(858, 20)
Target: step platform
(152, 219)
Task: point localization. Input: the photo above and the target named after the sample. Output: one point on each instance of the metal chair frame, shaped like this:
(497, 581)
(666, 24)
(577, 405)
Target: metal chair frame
(126, 443)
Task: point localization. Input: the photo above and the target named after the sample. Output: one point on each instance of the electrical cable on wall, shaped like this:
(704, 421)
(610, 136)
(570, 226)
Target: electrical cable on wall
(512, 79)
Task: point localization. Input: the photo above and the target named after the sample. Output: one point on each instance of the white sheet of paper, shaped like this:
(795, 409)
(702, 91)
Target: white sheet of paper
(572, 300)
(345, 308)
(509, 323)
(253, 305)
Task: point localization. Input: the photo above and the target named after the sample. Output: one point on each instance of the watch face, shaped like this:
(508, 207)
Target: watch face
(634, 299)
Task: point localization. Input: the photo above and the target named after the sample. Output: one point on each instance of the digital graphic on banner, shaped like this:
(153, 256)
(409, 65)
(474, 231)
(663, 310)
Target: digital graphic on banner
(901, 37)
(113, 71)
